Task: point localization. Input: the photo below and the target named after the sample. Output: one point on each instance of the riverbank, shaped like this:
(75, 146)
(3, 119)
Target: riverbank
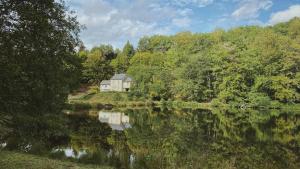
(96, 100)
(93, 99)
(14, 160)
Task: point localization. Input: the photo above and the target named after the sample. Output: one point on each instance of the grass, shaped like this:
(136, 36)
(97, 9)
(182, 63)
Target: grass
(182, 104)
(93, 99)
(14, 160)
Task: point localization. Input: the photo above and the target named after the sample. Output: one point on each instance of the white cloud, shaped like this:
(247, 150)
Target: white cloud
(185, 12)
(182, 22)
(286, 15)
(199, 3)
(115, 22)
(250, 9)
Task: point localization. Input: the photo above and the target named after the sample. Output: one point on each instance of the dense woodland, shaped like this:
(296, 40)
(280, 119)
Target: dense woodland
(250, 65)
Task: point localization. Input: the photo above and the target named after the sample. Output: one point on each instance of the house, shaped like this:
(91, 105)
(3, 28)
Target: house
(119, 83)
(105, 85)
(116, 120)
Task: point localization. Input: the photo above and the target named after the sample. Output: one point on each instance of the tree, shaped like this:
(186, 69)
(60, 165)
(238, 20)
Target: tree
(38, 62)
(121, 63)
(128, 50)
(243, 65)
(97, 64)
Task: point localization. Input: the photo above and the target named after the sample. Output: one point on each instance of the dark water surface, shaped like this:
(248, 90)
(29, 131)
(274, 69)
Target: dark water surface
(161, 138)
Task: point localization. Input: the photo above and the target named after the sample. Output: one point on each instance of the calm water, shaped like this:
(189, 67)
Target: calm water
(161, 138)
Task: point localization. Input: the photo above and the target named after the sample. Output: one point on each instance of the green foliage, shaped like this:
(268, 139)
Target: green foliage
(228, 138)
(97, 64)
(128, 50)
(121, 63)
(14, 160)
(233, 67)
(152, 79)
(155, 43)
(4, 125)
(38, 62)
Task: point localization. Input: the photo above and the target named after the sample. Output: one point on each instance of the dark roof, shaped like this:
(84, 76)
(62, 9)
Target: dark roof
(105, 82)
(121, 77)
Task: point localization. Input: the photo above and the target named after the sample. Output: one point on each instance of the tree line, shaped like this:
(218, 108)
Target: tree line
(251, 65)
(40, 66)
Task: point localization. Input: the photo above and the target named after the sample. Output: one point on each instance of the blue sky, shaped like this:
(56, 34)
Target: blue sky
(116, 21)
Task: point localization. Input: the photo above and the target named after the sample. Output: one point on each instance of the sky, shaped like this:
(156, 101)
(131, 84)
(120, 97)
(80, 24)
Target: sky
(117, 21)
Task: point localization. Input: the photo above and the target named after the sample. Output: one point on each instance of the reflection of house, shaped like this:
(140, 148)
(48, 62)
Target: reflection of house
(119, 82)
(116, 120)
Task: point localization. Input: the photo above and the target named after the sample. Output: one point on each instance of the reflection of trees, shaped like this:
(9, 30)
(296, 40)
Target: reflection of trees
(266, 125)
(169, 138)
(87, 133)
(103, 146)
(4, 129)
(37, 134)
(120, 154)
(91, 136)
(217, 139)
(80, 133)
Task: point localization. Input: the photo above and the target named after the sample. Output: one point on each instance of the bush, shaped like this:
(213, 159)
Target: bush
(117, 97)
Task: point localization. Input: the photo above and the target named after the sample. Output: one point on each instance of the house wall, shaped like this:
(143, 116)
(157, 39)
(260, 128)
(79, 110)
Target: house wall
(104, 88)
(116, 85)
(126, 85)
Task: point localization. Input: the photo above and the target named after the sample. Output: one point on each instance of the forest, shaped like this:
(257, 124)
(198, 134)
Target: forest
(248, 65)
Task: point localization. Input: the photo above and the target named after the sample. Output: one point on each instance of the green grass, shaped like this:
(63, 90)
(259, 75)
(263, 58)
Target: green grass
(182, 104)
(102, 97)
(14, 160)
(93, 99)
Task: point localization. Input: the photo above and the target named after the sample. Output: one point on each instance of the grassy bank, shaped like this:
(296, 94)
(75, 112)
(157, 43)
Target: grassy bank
(13, 160)
(98, 100)
(91, 98)
(105, 100)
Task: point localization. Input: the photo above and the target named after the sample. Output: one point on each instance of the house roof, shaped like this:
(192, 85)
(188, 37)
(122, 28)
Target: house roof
(128, 79)
(121, 77)
(105, 82)
(117, 127)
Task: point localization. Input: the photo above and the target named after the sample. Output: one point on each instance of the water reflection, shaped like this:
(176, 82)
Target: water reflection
(116, 120)
(71, 153)
(161, 138)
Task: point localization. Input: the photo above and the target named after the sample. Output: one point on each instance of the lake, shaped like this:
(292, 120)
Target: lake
(163, 138)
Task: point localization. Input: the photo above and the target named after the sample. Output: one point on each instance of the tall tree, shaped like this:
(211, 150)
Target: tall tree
(38, 62)
(97, 64)
(121, 63)
(128, 50)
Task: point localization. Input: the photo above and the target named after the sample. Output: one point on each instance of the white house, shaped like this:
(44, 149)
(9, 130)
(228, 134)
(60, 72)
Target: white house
(119, 82)
(105, 85)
